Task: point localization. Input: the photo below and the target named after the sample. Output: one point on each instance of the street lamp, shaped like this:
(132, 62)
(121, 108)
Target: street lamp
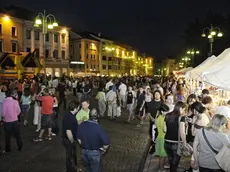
(47, 22)
(186, 60)
(192, 52)
(212, 33)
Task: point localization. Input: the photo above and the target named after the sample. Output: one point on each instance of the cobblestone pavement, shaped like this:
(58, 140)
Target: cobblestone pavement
(151, 164)
(128, 144)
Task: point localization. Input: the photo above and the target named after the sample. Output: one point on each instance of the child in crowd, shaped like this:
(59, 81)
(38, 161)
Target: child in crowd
(25, 104)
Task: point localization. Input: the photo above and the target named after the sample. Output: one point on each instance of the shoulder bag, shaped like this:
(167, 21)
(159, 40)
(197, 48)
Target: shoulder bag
(183, 150)
(222, 157)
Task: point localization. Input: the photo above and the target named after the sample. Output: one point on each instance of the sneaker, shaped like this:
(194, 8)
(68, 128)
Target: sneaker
(53, 134)
(166, 166)
(25, 123)
(139, 125)
(48, 138)
(38, 130)
(38, 139)
(5, 152)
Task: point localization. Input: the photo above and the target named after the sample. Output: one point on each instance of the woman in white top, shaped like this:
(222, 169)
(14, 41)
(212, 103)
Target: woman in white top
(201, 119)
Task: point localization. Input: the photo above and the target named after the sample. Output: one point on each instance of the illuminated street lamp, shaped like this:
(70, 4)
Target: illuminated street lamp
(212, 33)
(192, 52)
(47, 22)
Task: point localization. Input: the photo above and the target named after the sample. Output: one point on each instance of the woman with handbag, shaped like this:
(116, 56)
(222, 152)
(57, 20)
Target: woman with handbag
(174, 128)
(208, 142)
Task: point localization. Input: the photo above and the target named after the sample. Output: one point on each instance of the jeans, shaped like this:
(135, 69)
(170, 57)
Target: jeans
(55, 128)
(71, 155)
(201, 169)
(62, 99)
(174, 158)
(12, 128)
(92, 160)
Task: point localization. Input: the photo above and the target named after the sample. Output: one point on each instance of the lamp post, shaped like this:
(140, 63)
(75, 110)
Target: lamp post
(186, 60)
(212, 33)
(192, 52)
(47, 22)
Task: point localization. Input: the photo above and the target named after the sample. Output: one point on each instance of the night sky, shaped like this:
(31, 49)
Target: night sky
(151, 26)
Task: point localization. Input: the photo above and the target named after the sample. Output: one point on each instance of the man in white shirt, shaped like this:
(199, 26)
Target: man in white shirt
(111, 98)
(74, 86)
(122, 90)
(55, 83)
(108, 84)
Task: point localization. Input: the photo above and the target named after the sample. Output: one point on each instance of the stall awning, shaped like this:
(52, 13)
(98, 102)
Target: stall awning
(6, 61)
(30, 60)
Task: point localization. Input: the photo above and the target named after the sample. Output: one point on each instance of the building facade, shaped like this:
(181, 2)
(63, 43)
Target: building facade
(20, 37)
(169, 65)
(52, 47)
(103, 56)
(84, 53)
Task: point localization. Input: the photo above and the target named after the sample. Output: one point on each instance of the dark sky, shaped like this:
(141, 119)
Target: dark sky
(152, 26)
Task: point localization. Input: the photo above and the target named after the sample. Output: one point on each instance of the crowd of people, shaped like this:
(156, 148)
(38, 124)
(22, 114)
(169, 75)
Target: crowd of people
(178, 120)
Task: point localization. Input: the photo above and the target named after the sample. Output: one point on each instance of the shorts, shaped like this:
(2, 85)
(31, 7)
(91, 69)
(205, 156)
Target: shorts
(46, 121)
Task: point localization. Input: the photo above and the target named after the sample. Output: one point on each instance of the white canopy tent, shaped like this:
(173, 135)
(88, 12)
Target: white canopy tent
(195, 73)
(219, 73)
(223, 58)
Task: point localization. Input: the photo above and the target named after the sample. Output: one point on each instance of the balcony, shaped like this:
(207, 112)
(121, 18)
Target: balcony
(57, 61)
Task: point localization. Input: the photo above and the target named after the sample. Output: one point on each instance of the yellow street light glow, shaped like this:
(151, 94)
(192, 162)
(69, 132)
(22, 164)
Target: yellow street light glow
(164, 68)
(50, 26)
(183, 59)
(197, 52)
(220, 34)
(55, 24)
(192, 52)
(113, 48)
(188, 52)
(64, 31)
(209, 36)
(203, 35)
(6, 18)
(38, 21)
(213, 33)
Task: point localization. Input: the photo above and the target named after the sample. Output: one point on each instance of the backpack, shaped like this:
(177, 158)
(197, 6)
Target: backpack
(129, 97)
